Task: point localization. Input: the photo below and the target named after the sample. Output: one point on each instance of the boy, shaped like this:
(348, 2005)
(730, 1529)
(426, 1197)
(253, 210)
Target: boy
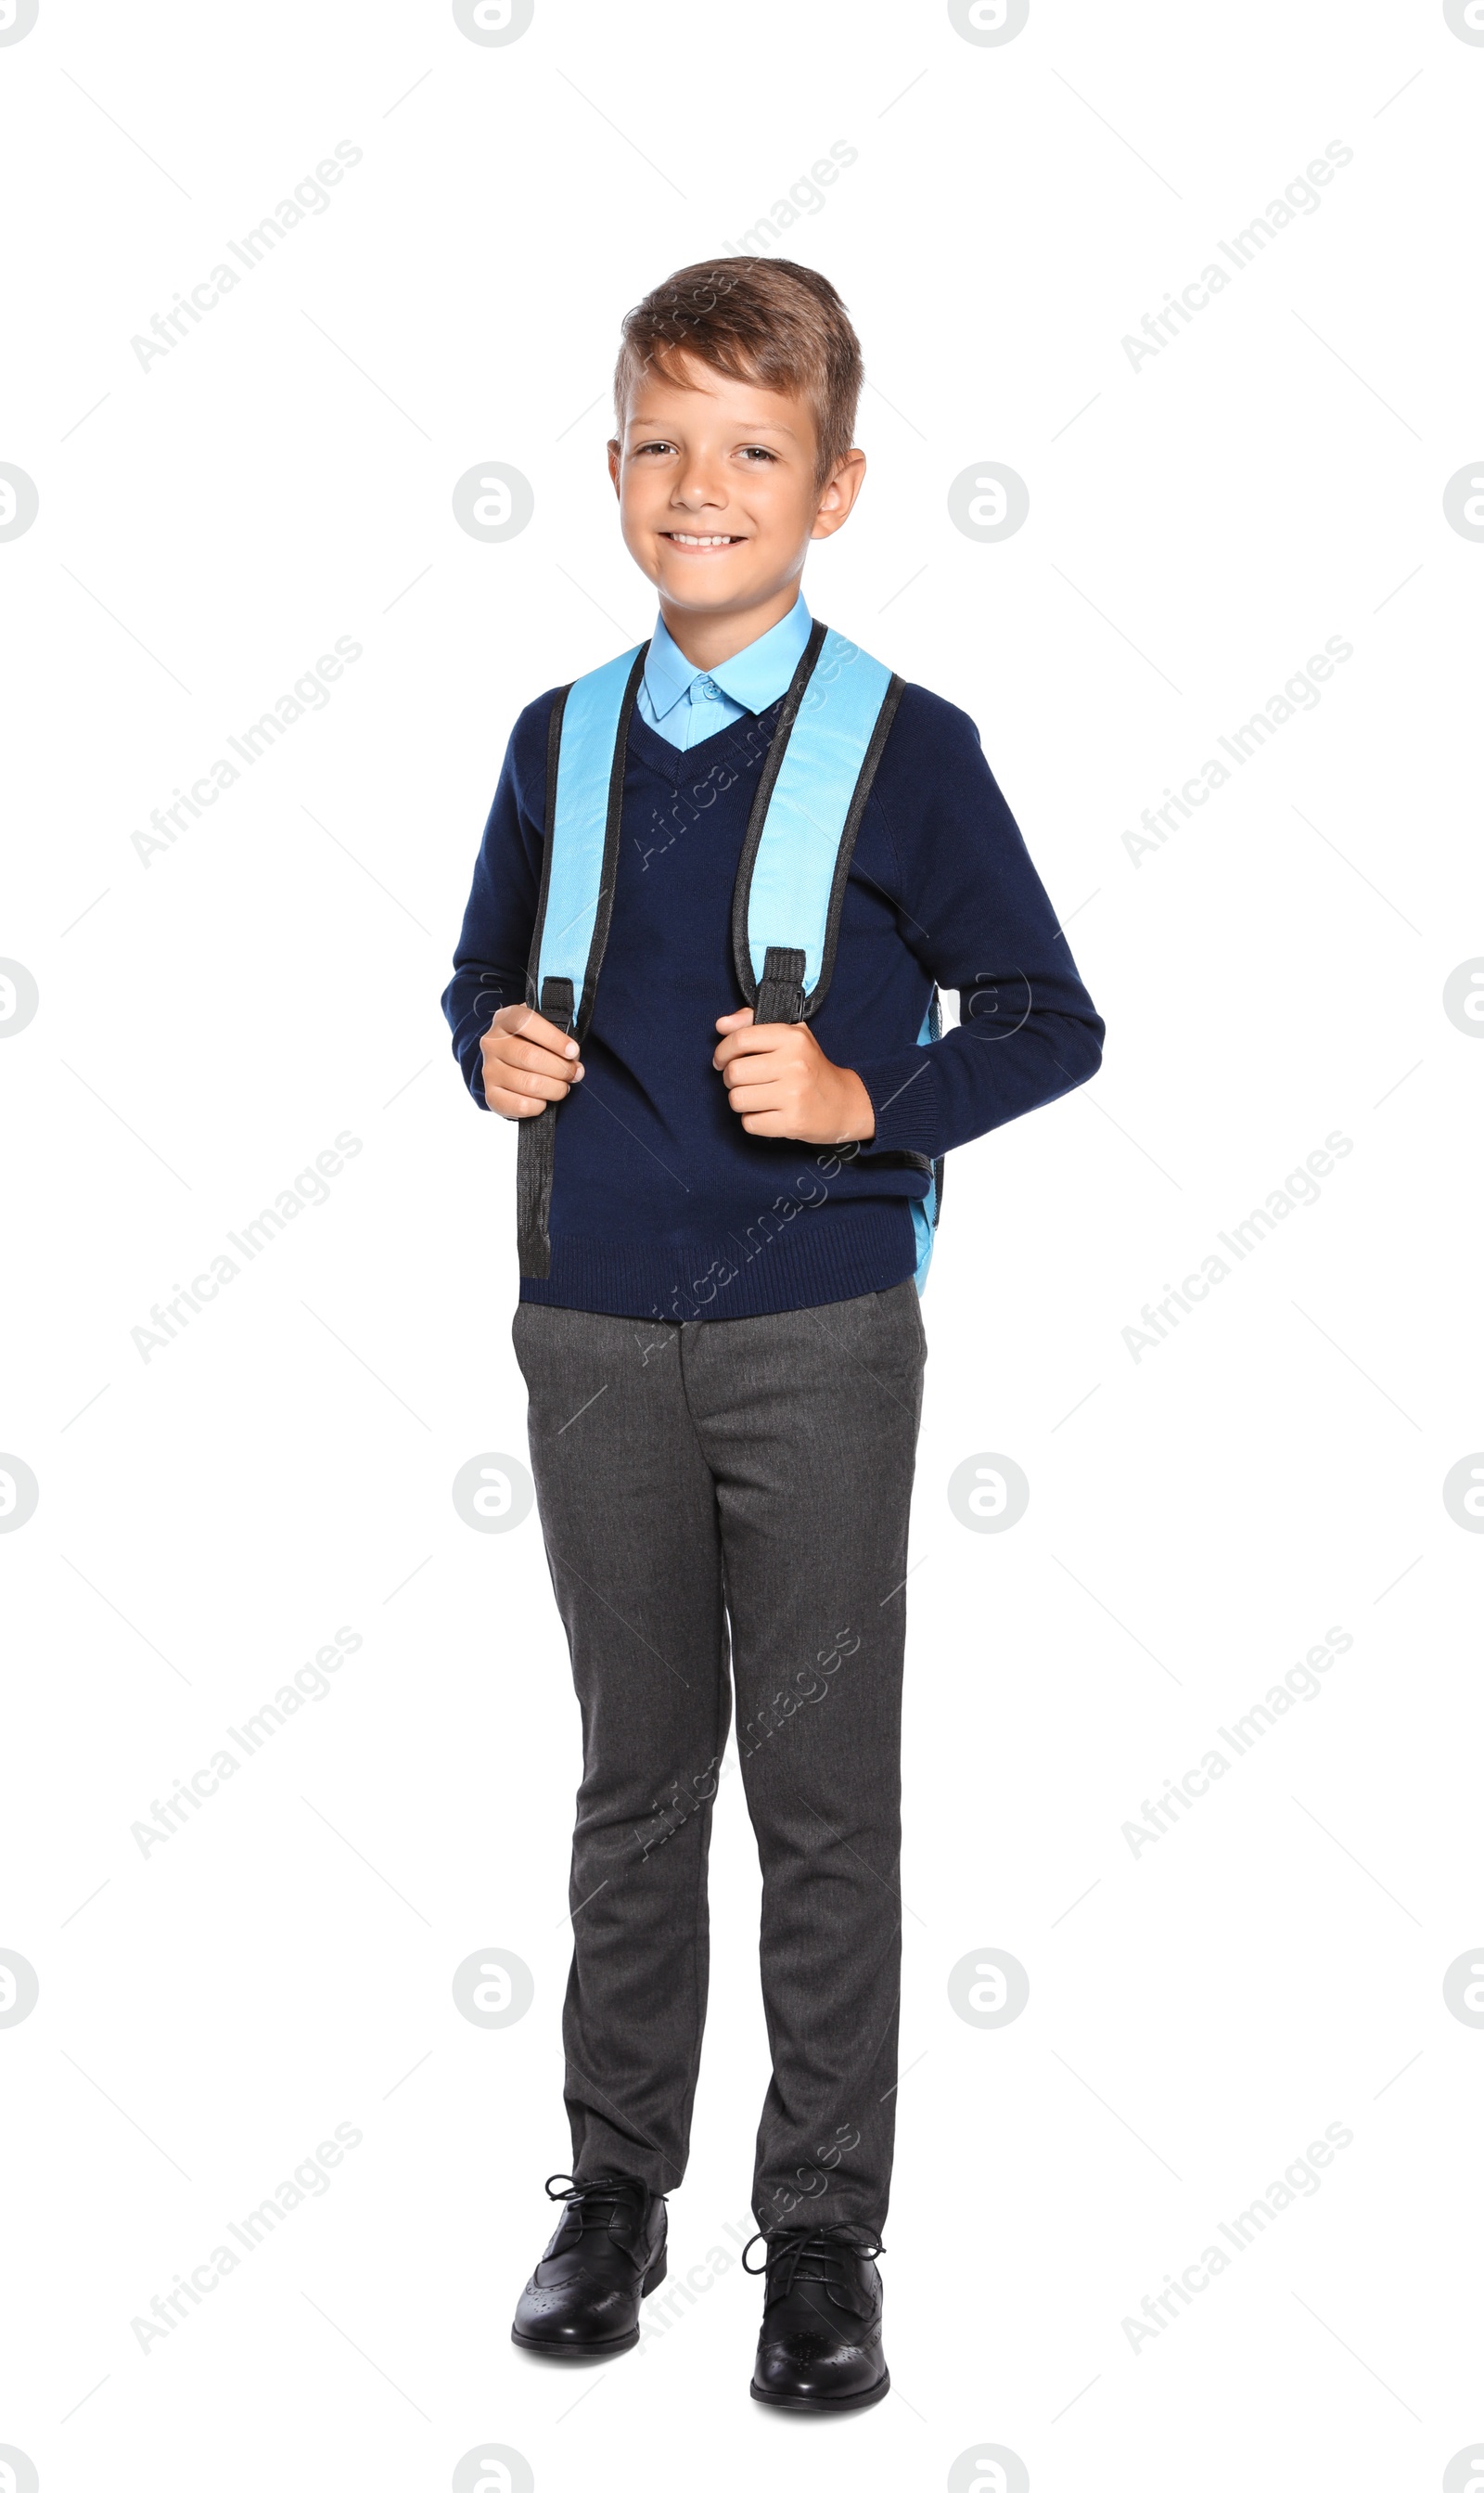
(728, 1146)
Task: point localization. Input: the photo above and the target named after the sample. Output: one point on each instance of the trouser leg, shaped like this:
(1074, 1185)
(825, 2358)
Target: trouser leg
(808, 1422)
(628, 1510)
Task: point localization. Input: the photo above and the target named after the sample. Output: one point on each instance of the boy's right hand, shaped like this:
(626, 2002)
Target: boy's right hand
(526, 1062)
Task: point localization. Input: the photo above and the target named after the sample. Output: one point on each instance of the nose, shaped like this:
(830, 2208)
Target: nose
(698, 487)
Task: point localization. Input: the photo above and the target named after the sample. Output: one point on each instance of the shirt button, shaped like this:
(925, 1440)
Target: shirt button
(712, 692)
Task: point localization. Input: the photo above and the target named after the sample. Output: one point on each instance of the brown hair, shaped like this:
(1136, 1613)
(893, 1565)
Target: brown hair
(765, 320)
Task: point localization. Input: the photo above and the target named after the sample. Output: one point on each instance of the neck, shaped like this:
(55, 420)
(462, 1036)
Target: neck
(708, 641)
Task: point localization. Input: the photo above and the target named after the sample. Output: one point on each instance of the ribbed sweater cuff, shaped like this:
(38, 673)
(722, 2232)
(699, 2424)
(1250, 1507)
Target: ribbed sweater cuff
(903, 1092)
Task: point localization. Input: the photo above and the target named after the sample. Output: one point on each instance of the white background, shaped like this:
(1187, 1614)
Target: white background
(211, 1020)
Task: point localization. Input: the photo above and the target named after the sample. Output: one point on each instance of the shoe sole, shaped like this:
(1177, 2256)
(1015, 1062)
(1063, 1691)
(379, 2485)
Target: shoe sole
(600, 2346)
(802, 2404)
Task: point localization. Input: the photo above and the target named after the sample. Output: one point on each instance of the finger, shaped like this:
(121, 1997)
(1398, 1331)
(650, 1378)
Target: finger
(530, 1086)
(736, 1020)
(512, 1106)
(759, 1039)
(781, 1128)
(527, 1024)
(757, 1098)
(754, 1068)
(506, 1049)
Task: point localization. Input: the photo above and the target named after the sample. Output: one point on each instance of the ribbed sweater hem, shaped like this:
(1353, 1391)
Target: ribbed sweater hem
(829, 1252)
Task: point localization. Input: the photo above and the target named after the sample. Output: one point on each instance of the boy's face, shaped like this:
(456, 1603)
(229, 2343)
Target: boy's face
(718, 495)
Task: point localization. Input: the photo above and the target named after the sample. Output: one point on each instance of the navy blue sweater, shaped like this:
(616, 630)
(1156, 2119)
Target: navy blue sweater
(661, 1205)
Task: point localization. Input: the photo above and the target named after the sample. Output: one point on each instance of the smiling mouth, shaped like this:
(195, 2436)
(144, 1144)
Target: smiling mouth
(713, 544)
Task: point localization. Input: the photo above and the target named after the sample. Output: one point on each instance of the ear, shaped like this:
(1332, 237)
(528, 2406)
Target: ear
(838, 499)
(615, 454)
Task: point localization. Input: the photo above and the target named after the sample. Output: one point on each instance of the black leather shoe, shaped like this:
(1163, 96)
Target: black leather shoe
(821, 2347)
(605, 2256)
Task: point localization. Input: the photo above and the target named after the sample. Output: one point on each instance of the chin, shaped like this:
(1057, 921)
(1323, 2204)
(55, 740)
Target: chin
(701, 583)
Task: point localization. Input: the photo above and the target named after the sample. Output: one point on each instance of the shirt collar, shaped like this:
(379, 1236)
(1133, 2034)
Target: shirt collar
(756, 678)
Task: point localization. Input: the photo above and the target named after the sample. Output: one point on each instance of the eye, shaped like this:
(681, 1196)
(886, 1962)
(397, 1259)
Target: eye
(642, 449)
(754, 450)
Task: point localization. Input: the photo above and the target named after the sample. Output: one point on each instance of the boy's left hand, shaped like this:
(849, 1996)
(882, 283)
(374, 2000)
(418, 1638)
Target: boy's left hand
(780, 1082)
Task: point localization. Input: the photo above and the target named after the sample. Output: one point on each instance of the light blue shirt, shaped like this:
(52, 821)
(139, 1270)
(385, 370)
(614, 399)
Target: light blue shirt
(683, 705)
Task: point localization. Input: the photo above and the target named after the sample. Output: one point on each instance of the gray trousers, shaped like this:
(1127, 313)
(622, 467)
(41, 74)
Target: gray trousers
(724, 1501)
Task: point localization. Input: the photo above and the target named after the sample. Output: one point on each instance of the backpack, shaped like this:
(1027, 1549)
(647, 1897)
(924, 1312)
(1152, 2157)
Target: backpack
(790, 886)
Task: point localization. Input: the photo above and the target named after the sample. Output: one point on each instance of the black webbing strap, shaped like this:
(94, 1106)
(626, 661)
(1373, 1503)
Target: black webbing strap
(781, 988)
(535, 1155)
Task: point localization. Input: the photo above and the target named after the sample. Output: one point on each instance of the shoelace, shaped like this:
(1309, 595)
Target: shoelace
(605, 2192)
(791, 2258)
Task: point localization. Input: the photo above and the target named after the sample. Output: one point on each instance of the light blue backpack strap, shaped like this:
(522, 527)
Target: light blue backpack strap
(925, 1214)
(587, 747)
(790, 888)
(925, 1227)
(791, 879)
(585, 798)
